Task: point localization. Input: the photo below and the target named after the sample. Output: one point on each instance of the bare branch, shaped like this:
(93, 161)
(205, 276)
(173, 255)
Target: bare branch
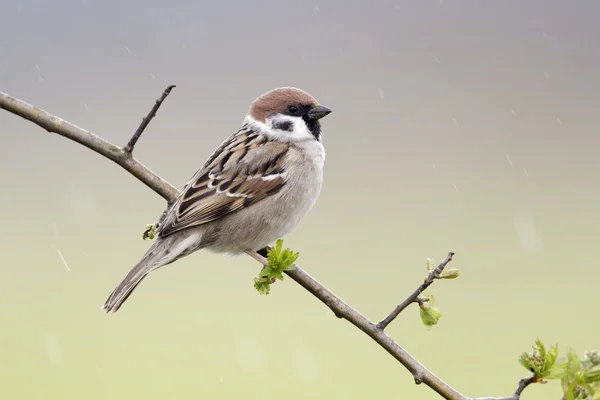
(414, 297)
(57, 125)
(523, 383)
(146, 120)
(341, 309)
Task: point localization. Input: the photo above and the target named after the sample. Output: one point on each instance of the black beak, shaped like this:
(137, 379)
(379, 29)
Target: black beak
(318, 112)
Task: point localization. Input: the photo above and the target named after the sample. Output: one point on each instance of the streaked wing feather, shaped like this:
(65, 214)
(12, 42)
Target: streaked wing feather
(243, 171)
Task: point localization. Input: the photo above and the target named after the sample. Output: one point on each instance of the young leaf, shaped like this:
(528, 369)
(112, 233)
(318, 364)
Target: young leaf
(539, 347)
(550, 357)
(525, 361)
(592, 375)
(278, 261)
(262, 286)
(556, 372)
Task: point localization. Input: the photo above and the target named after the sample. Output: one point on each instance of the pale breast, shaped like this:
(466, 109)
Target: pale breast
(272, 218)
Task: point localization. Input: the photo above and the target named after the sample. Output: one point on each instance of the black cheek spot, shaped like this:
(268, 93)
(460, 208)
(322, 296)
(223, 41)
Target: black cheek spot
(284, 125)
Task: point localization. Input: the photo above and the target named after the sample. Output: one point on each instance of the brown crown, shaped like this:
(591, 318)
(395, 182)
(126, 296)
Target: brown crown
(277, 100)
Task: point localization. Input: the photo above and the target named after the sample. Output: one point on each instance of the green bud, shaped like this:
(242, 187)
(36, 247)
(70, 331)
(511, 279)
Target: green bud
(429, 315)
(429, 265)
(452, 273)
(592, 356)
(150, 232)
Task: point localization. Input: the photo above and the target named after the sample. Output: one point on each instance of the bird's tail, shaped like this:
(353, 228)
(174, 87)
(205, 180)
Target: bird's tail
(164, 251)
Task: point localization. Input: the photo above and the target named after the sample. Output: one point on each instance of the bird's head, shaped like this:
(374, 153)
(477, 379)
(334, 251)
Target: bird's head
(290, 114)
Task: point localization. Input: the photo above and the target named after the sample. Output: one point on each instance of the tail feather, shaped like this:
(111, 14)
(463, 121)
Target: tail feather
(164, 251)
(146, 265)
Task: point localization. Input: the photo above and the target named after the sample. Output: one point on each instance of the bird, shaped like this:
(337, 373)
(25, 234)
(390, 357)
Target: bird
(253, 190)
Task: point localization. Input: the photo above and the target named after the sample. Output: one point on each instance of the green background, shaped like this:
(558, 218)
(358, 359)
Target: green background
(466, 126)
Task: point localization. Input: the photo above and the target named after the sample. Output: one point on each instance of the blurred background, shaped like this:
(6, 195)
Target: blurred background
(465, 126)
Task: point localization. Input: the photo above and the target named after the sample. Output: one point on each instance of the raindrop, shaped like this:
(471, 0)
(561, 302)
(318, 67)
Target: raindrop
(528, 232)
(62, 258)
(52, 347)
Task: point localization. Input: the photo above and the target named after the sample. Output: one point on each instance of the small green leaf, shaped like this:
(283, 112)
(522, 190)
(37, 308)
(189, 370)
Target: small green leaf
(262, 286)
(574, 363)
(539, 347)
(556, 372)
(278, 261)
(592, 375)
(550, 357)
(525, 361)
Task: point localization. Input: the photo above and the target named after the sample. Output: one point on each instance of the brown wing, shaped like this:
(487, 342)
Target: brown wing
(244, 170)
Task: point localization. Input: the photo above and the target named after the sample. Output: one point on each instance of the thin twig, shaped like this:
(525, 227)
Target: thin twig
(146, 120)
(421, 374)
(414, 297)
(523, 383)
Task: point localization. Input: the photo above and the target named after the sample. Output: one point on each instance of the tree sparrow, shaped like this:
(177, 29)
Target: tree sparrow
(253, 189)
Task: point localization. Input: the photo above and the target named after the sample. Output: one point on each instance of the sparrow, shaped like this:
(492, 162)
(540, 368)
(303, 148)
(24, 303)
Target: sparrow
(254, 189)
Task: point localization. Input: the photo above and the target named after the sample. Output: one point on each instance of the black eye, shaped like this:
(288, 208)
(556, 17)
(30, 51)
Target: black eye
(293, 109)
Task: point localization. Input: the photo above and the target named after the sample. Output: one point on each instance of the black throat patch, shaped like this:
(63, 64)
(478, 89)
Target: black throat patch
(314, 126)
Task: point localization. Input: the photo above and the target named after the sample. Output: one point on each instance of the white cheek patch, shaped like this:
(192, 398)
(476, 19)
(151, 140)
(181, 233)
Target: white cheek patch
(288, 128)
(299, 131)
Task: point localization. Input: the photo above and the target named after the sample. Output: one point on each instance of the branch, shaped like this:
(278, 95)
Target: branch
(414, 297)
(523, 383)
(146, 120)
(114, 153)
(341, 309)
